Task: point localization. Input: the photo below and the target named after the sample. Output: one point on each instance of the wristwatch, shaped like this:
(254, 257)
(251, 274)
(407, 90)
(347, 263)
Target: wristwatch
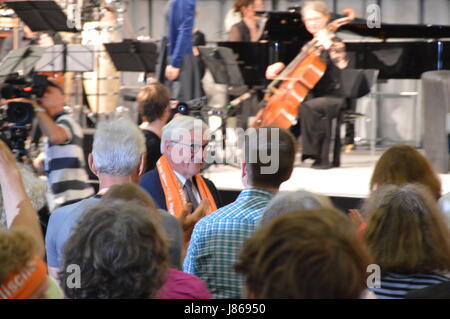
(39, 109)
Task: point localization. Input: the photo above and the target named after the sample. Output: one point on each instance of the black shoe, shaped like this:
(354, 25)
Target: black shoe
(319, 164)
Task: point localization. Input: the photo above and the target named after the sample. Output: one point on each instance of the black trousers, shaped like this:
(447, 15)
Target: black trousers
(316, 117)
(188, 86)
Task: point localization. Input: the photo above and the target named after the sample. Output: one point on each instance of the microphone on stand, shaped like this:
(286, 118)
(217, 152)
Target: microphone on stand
(237, 101)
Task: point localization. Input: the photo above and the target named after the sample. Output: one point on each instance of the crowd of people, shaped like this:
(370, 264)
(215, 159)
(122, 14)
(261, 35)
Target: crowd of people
(164, 232)
(157, 228)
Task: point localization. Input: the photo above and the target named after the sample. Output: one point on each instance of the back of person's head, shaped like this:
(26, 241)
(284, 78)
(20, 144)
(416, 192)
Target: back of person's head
(129, 192)
(121, 252)
(406, 231)
(118, 147)
(403, 164)
(285, 202)
(153, 99)
(22, 274)
(305, 254)
(181, 125)
(269, 156)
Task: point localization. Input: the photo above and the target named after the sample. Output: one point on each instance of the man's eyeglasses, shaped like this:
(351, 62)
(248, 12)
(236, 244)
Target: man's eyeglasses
(194, 147)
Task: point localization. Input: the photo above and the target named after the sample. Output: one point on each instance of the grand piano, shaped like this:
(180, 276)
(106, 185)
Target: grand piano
(398, 51)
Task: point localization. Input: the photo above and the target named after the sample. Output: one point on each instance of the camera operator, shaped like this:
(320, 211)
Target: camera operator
(64, 161)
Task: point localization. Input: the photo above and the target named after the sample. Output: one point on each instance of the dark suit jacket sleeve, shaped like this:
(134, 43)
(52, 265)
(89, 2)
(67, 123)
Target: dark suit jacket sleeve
(151, 183)
(214, 192)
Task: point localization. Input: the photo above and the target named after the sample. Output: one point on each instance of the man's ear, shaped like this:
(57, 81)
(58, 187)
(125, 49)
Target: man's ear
(142, 164)
(91, 164)
(166, 146)
(243, 169)
(244, 175)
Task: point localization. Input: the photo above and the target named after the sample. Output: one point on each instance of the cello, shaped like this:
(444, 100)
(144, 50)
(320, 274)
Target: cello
(297, 79)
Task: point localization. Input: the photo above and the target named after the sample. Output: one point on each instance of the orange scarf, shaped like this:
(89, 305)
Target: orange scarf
(173, 190)
(21, 285)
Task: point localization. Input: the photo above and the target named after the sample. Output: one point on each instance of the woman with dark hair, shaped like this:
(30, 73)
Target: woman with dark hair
(154, 109)
(408, 238)
(247, 29)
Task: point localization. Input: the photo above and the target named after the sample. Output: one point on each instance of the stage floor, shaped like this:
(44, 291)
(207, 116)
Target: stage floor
(350, 180)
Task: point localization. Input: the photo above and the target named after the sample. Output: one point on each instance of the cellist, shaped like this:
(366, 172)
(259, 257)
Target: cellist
(325, 100)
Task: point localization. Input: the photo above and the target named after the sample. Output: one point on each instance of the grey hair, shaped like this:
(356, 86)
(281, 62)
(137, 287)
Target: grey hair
(412, 198)
(285, 202)
(180, 125)
(35, 188)
(118, 147)
(317, 5)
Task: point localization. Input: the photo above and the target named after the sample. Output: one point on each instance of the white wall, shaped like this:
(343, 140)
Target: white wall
(212, 12)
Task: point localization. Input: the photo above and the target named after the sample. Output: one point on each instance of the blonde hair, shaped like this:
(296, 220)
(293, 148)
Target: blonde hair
(318, 6)
(16, 249)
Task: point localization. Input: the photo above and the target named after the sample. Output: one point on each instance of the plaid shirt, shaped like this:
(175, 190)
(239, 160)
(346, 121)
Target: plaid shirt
(217, 240)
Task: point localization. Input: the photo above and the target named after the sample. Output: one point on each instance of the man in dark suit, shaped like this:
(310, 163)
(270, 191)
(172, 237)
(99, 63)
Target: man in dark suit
(176, 180)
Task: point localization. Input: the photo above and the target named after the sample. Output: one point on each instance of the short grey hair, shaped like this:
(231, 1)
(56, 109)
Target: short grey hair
(317, 5)
(179, 125)
(118, 147)
(285, 202)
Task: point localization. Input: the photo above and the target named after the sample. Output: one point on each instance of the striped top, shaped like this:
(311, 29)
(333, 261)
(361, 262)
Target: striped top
(396, 286)
(65, 165)
(218, 238)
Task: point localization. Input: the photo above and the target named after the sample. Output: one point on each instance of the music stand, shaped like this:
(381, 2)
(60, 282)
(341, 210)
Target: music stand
(133, 56)
(67, 58)
(20, 61)
(222, 64)
(41, 15)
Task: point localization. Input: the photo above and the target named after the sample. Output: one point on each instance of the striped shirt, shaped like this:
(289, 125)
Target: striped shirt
(65, 165)
(217, 240)
(396, 286)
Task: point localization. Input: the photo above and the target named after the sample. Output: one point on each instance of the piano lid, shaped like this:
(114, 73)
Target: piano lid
(391, 30)
(283, 25)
